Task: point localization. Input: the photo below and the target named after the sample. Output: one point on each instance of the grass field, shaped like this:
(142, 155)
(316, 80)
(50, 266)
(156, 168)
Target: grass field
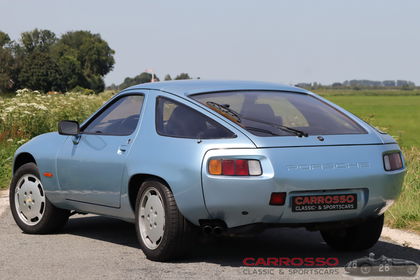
(397, 115)
(367, 92)
(395, 111)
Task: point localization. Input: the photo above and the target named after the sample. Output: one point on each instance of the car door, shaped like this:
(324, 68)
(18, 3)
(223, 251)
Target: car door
(90, 166)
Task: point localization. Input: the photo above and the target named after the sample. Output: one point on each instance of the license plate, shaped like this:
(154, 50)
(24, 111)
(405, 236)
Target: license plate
(327, 202)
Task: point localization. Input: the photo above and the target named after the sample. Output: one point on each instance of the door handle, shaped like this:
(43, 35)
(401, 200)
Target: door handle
(122, 149)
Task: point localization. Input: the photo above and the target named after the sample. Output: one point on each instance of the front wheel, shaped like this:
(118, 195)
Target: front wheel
(31, 209)
(162, 231)
(355, 238)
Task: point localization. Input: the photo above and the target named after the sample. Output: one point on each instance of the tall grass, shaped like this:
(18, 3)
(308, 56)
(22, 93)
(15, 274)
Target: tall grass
(31, 113)
(405, 213)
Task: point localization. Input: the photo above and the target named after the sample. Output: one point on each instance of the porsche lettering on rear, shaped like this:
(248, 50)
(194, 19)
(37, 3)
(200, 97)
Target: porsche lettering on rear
(328, 166)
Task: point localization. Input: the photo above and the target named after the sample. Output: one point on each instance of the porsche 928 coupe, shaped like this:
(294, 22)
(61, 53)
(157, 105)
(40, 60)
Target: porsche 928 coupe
(173, 157)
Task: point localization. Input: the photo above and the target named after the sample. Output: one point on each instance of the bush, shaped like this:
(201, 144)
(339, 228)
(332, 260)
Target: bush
(82, 90)
(31, 113)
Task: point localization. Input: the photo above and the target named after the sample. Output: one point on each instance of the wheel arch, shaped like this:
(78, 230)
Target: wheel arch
(136, 181)
(22, 159)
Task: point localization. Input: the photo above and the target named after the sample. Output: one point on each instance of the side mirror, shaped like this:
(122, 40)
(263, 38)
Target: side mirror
(68, 128)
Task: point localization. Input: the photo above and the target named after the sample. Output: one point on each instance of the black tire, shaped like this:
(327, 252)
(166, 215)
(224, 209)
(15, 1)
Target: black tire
(178, 233)
(411, 269)
(52, 219)
(355, 238)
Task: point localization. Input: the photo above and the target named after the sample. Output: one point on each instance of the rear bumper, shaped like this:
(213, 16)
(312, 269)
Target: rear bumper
(240, 201)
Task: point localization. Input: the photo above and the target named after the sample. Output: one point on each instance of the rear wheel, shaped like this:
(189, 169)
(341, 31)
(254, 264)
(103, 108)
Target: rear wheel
(162, 231)
(355, 238)
(31, 209)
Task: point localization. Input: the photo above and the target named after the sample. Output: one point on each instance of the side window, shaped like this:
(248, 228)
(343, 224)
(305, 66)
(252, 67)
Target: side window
(177, 120)
(119, 118)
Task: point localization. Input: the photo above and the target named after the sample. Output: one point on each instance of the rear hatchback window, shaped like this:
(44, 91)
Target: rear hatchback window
(276, 113)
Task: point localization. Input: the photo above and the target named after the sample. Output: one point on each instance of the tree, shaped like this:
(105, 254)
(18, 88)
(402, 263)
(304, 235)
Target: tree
(7, 63)
(71, 71)
(40, 72)
(112, 87)
(139, 79)
(183, 76)
(6, 70)
(38, 40)
(84, 58)
(4, 39)
(168, 77)
(93, 53)
(42, 61)
(95, 82)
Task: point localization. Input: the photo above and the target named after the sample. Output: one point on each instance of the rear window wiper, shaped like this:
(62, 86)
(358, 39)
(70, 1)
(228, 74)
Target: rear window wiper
(297, 132)
(225, 110)
(263, 130)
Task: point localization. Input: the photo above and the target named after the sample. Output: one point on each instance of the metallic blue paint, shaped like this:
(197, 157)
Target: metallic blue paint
(93, 174)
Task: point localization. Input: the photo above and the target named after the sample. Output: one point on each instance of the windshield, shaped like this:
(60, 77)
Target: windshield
(275, 113)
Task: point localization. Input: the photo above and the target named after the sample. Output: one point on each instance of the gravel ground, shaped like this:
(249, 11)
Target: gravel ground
(93, 247)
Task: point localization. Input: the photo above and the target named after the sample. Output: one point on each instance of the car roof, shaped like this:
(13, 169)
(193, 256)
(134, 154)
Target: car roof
(188, 87)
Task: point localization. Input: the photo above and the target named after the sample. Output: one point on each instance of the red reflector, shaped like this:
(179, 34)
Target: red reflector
(228, 167)
(48, 174)
(242, 167)
(278, 198)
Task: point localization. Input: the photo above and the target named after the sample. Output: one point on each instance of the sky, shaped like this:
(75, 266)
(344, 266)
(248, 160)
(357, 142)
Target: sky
(285, 41)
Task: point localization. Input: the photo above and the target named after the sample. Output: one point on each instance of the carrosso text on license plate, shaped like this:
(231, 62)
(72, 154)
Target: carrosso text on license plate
(304, 203)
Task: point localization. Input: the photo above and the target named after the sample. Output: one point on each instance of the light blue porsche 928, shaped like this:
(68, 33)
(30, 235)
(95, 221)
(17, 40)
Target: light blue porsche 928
(172, 157)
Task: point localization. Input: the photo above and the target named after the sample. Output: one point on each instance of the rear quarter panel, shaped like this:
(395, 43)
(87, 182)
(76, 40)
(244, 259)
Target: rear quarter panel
(176, 160)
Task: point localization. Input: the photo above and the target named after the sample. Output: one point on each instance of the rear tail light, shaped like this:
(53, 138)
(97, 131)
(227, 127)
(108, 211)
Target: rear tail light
(254, 167)
(235, 167)
(215, 167)
(242, 168)
(393, 161)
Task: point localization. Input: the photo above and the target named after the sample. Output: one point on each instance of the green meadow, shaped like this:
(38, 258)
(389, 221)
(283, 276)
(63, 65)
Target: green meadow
(397, 115)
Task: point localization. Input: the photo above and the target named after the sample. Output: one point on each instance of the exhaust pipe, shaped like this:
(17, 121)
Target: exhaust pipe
(207, 229)
(216, 227)
(217, 230)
